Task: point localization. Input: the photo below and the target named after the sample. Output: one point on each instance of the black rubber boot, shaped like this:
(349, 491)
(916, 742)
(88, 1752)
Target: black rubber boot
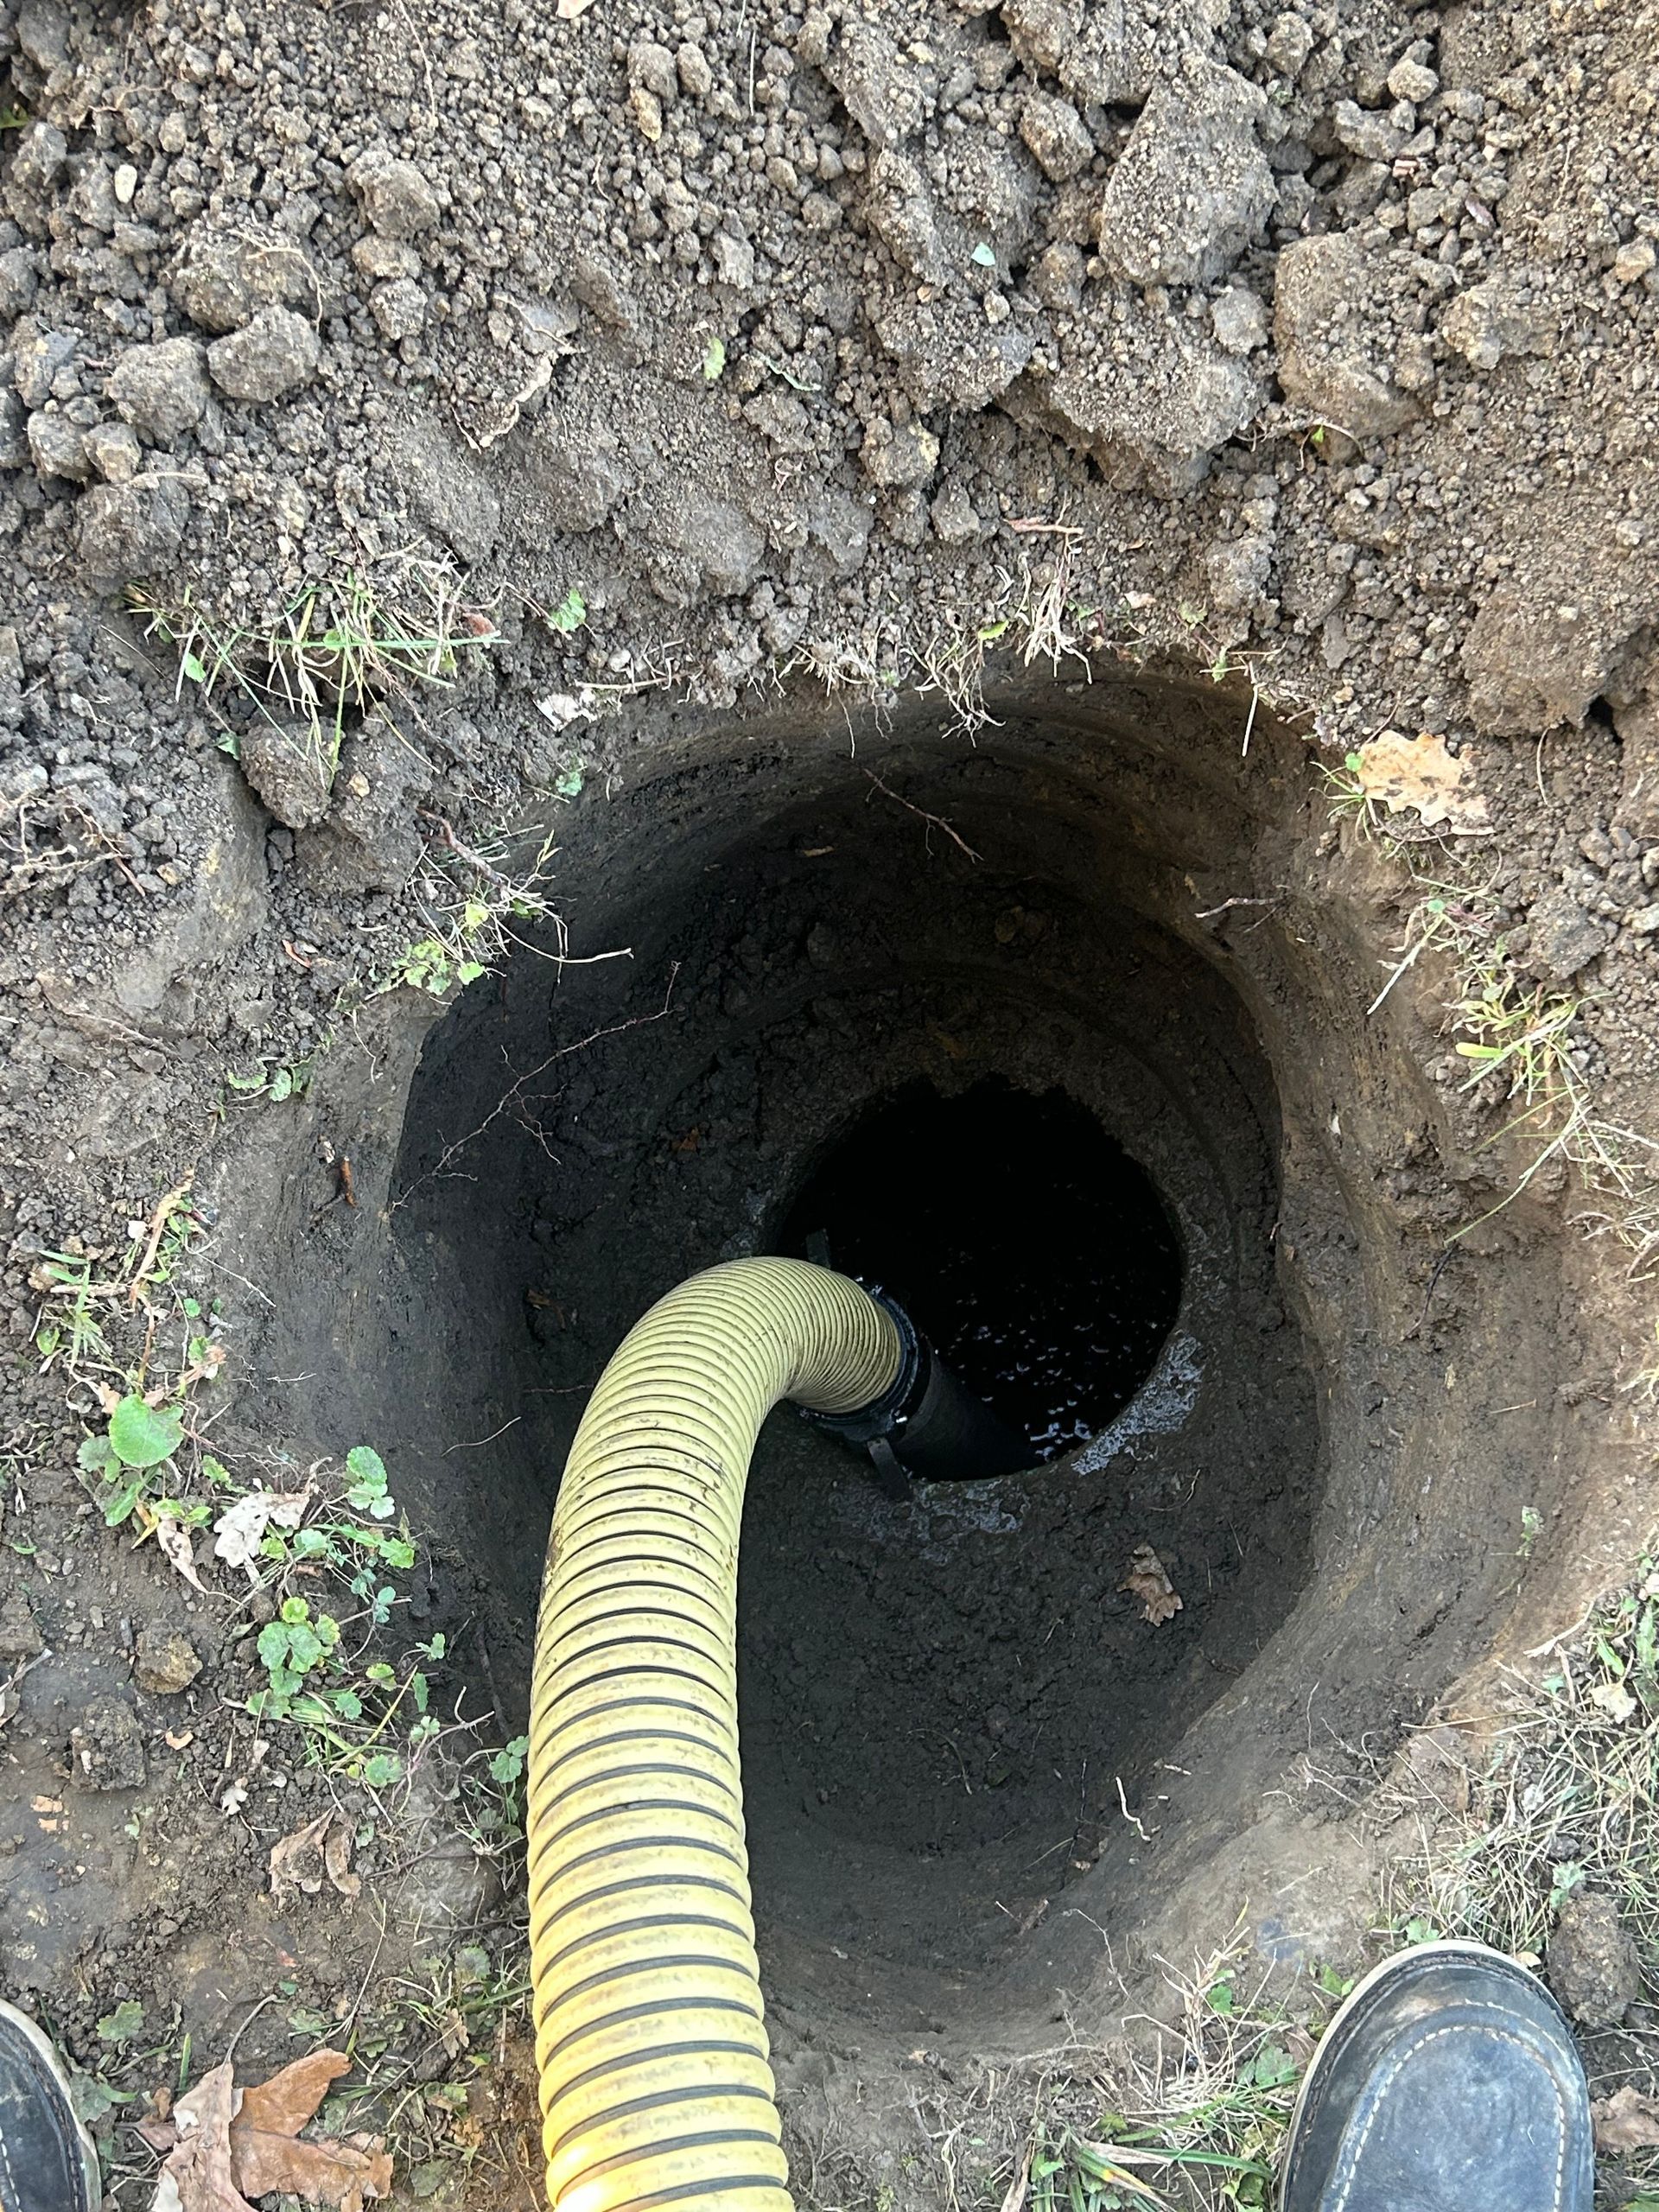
(47, 2160)
(1448, 2081)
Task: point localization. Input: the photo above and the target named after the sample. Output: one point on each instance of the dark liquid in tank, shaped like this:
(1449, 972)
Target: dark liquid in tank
(1019, 1237)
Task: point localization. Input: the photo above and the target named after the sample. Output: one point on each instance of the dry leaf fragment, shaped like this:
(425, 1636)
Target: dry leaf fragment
(337, 1859)
(1400, 770)
(224, 2145)
(198, 2176)
(291, 2098)
(1614, 1699)
(567, 10)
(338, 2172)
(174, 1543)
(240, 1529)
(322, 1847)
(1147, 1581)
(1626, 2122)
(291, 1866)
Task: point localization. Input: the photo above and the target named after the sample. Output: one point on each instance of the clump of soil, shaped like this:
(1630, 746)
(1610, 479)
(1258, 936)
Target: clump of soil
(429, 444)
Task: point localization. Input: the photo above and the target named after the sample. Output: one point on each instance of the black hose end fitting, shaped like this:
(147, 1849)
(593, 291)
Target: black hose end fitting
(927, 1424)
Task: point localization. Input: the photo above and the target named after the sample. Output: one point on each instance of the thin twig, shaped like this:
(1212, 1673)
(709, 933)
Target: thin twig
(936, 820)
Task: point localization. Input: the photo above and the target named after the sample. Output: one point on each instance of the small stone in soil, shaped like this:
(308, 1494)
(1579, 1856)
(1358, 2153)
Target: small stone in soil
(20, 1636)
(1564, 937)
(165, 1662)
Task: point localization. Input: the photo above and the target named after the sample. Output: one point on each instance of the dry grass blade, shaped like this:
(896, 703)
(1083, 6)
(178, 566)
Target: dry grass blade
(1569, 1795)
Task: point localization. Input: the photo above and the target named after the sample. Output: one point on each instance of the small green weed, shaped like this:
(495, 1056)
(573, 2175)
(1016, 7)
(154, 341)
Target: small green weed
(437, 964)
(121, 2025)
(424, 2044)
(337, 648)
(1523, 1043)
(80, 1296)
(359, 1717)
(1198, 2123)
(274, 1079)
(69, 1327)
(1346, 797)
(295, 1645)
(130, 1462)
(473, 927)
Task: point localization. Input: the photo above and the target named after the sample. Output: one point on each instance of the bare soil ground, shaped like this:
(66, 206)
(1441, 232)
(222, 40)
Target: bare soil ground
(1107, 546)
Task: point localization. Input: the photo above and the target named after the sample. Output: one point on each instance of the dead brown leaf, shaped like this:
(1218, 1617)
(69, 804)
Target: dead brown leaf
(224, 2147)
(198, 2176)
(337, 1857)
(292, 1865)
(338, 2172)
(176, 1548)
(1398, 771)
(240, 1529)
(1614, 1699)
(285, 2104)
(322, 1848)
(1627, 2120)
(1147, 1581)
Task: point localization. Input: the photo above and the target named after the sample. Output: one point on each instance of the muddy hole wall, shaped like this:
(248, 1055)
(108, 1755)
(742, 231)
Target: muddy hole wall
(951, 1706)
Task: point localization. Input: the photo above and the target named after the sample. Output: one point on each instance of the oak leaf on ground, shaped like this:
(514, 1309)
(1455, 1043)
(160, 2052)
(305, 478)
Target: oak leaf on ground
(1398, 771)
(1148, 1580)
(1627, 2120)
(223, 2146)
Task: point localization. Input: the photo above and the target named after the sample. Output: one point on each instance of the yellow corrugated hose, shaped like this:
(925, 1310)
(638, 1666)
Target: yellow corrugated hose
(650, 2043)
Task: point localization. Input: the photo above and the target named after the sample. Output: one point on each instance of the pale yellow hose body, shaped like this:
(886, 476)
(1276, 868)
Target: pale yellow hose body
(650, 2044)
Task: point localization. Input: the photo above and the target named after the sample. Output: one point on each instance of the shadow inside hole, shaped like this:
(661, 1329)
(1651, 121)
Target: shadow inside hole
(1023, 1241)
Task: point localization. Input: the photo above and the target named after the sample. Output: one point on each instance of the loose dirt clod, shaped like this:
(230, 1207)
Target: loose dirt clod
(1592, 1961)
(1628, 2121)
(164, 1662)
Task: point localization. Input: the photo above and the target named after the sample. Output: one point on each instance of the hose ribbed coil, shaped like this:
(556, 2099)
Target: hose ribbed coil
(651, 2046)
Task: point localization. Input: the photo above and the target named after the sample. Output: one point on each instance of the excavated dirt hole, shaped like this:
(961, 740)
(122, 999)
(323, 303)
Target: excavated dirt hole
(1026, 1246)
(951, 1707)
(1005, 1087)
